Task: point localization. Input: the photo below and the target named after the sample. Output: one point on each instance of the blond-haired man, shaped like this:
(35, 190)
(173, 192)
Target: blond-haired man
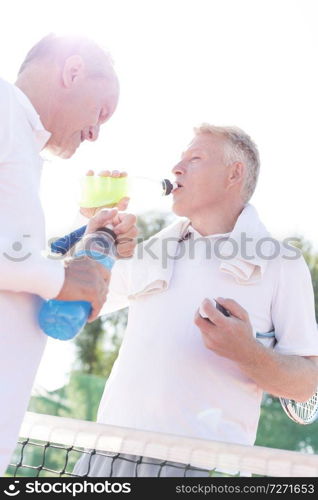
(203, 375)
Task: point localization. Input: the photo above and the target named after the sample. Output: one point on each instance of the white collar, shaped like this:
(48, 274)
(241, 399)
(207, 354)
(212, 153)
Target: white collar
(40, 134)
(246, 266)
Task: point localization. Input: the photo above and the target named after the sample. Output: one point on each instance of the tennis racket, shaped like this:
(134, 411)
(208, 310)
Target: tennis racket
(302, 413)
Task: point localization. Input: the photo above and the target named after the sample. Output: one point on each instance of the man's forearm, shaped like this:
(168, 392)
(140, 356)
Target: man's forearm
(292, 377)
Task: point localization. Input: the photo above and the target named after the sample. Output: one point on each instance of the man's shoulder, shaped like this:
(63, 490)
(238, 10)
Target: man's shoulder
(8, 100)
(290, 265)
(6, 90)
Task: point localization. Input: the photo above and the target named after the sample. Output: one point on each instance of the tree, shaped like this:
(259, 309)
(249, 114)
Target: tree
(312, 261)
(151, 223)
(311, 258)
(276, 430)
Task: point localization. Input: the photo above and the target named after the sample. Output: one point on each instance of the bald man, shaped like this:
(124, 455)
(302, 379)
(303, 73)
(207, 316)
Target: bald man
(66, 89)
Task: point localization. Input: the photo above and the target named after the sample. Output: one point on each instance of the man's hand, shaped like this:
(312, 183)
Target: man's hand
(230, 337)
(288, 376)
(85, 279)
(121, 205)
(124, 225)
(103, 218)
(126, 231)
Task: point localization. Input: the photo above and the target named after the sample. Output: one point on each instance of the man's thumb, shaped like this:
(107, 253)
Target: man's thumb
(101, 219)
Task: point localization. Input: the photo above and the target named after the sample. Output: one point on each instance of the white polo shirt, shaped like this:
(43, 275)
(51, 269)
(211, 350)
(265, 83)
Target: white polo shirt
(25, 274)
(166, 380)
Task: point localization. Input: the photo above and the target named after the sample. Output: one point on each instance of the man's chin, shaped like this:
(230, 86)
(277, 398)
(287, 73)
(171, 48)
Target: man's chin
(62, 153)
(65, 155)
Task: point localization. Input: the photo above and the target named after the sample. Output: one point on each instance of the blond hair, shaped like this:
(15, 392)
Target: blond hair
(238, 146)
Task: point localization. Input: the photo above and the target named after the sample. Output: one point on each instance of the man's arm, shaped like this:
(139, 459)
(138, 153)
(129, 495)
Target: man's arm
(291, 377)
(22, 266)
(288, 376)
(27, 270)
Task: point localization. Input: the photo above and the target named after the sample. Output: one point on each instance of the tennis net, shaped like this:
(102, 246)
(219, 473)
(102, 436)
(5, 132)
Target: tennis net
(51, 446)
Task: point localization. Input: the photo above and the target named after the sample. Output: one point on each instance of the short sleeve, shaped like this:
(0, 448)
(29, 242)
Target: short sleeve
(293, 310)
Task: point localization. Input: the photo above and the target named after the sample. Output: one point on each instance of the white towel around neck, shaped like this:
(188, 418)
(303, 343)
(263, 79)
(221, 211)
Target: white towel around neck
(152, 266)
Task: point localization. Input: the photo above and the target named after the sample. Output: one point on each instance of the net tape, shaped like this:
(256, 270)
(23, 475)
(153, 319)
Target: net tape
(74, 438)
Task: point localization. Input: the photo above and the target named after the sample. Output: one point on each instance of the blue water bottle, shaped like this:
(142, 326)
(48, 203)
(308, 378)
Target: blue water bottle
(64, 319)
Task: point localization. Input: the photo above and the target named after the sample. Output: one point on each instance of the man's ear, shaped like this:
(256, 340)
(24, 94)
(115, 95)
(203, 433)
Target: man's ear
(236, 173)
(72, 70)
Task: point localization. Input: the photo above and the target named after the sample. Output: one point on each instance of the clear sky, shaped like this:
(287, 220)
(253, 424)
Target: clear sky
(251, 63)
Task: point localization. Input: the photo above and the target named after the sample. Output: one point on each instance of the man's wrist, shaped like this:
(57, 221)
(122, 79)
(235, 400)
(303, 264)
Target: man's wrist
(254, 355)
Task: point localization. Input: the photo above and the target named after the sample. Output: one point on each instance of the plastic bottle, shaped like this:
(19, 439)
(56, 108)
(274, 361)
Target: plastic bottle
(64, 319)
(98, 191)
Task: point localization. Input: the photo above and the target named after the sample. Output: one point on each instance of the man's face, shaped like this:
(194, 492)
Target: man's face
(79, 112)
(202, 175)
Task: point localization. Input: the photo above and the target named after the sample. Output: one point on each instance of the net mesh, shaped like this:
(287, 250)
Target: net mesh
(56, 446)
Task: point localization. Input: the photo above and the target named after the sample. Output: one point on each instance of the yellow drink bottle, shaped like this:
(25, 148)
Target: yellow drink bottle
(98, 191)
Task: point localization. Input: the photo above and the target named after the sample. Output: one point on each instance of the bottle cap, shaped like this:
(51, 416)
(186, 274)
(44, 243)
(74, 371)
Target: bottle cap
(108, 230)
(168, 186)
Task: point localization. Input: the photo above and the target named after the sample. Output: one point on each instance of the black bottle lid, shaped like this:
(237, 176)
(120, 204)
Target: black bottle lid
(109, 231)
(167, 186)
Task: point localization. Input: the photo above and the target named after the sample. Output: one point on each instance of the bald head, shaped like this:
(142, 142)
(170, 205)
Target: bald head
(71, 82)
(56, 49)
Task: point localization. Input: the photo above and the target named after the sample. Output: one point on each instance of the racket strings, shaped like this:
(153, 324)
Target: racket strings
(302, 413)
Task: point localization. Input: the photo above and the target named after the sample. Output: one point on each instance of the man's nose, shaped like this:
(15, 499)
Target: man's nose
(93, 133)
(179, 168)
